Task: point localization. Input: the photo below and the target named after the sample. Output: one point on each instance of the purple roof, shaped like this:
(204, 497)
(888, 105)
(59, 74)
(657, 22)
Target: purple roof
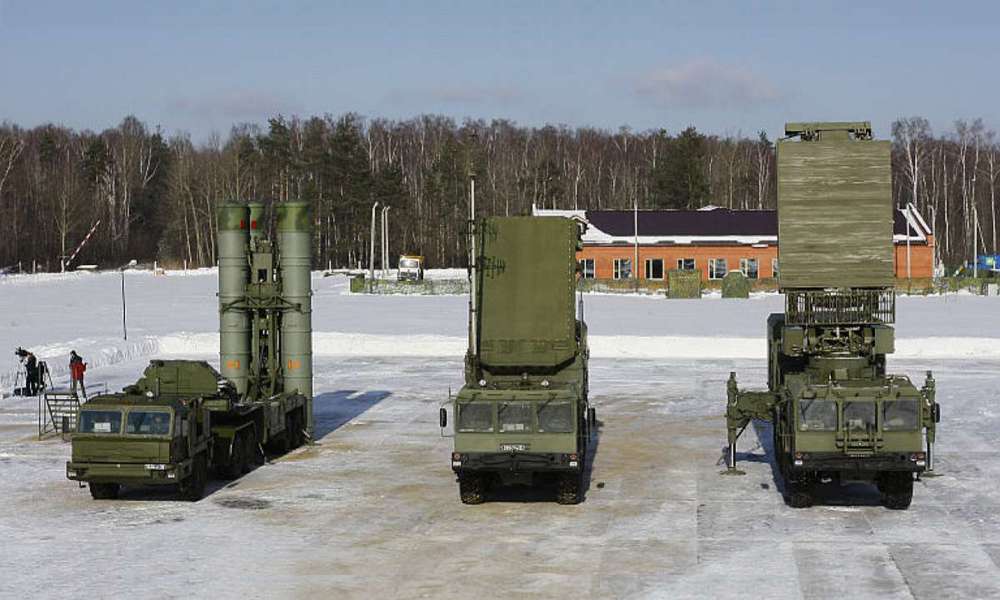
(715, 222)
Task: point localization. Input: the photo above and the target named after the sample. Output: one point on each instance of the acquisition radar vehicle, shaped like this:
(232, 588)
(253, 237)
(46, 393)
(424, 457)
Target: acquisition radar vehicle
(837, 416)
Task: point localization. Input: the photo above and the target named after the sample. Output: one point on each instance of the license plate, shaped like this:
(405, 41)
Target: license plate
(513, 447)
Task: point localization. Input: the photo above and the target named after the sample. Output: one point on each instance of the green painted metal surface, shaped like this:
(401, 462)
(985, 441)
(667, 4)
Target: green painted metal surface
(834, 212)
(523, 416)
(295, 251)
(735, 285)
(836, 413)
(234, 274)
(258, 220)
(177, 378)
(528, 276)
(683, 284)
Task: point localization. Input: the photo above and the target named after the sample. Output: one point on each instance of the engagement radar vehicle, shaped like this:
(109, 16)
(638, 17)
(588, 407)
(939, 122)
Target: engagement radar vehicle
(522, 416)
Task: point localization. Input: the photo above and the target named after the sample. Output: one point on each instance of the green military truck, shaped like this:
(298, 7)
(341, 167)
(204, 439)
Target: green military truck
(177, 424)
(522, 416)
(183, 420)
(837, 416)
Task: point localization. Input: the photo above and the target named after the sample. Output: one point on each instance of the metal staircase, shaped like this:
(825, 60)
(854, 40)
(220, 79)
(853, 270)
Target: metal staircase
(57, 412)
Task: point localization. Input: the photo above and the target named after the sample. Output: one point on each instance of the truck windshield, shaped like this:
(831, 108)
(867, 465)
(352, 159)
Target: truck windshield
(515, 416)
(408, 263)
(100, 421)
(148, 422)
(555, 417)
(817, 415)
(475, 416)
(899, 415)
(859, 416)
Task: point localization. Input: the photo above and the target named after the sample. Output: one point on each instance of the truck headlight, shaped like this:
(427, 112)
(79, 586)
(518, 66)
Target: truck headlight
(156, 467)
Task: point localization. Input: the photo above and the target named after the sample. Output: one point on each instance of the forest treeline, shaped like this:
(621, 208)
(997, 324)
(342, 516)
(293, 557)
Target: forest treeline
(153, 197)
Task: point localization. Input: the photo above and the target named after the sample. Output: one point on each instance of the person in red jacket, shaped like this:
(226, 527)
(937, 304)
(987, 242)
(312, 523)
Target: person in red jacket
(76, 370)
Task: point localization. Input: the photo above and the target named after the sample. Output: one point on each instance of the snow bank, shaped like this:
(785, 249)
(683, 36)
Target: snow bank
(96, 353)
(333, 343)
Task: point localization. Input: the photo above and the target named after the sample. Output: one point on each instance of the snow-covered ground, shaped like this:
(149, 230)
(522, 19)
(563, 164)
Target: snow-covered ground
(177, 313)
(372, 510)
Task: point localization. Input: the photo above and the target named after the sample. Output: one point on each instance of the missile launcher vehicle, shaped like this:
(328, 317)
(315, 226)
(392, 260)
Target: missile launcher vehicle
(183, 420)
(837, 415)
(522, 416)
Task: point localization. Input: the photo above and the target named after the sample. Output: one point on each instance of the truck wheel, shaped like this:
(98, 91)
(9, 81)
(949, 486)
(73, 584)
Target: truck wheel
(104, 491)
(298, 424)
(799, 493)
(570, 488)
(252, 452)
(282, 443)
(897, 490)
(472, 488)
(237, 458)
(194, 488)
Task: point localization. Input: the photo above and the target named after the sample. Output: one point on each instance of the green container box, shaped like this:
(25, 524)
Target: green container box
(735, 285)
(683, 284)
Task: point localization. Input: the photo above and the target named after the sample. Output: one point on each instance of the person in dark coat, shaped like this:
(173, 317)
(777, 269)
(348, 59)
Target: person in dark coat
(76, 370)
(31, 369)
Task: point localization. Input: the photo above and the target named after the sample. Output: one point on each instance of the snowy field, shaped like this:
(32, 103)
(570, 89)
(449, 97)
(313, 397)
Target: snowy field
(372, 510)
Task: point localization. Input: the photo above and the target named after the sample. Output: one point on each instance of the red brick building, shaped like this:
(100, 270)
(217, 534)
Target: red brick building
(621, 244)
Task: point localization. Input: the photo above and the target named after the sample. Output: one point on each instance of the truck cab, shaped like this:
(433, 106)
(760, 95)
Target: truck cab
(124, 439)
(410, 268)
(156, 432)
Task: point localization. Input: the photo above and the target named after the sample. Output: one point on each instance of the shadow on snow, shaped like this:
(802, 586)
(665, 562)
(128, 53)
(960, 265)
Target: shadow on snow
(546, 492)
(831, 494)
(332, 410)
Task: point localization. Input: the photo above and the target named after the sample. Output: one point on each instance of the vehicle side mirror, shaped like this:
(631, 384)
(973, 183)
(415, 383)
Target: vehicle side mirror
(443, 417)
(936, 412)
(592, 417)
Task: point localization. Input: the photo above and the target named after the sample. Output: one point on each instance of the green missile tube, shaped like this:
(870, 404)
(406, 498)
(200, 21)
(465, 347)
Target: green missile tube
(258, 226)
(234, 274)
(295, 266)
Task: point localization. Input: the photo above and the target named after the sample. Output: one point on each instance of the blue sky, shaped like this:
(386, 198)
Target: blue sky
(725, 67)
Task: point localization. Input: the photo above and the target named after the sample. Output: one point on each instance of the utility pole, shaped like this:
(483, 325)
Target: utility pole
(385, 241)
(909, 209)
(371, 255)
(975, 242)
(124, 327)
(635, 224)
(473, 317)
(131, 263)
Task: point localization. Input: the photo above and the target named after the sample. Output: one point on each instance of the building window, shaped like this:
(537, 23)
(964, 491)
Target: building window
(654, 268)
(587, 268)
(748, 266)
(623, 268)
(716, 268)
(774, 267)
(685, 264)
